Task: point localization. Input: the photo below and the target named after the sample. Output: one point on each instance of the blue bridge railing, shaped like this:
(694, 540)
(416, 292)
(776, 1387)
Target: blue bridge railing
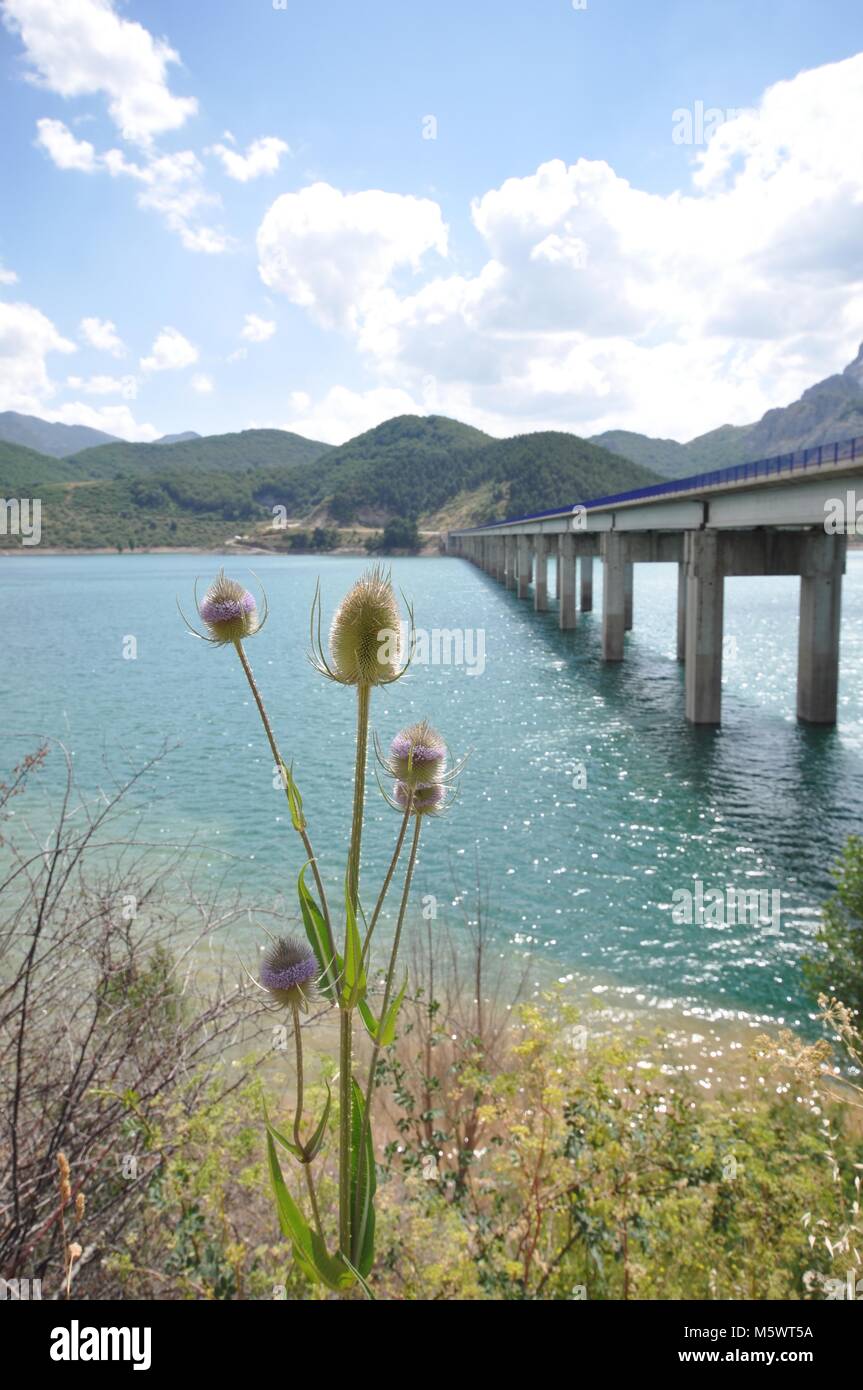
(799, 462)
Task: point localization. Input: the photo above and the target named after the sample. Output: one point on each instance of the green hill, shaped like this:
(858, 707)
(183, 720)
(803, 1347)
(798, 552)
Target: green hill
(430, 470)
(22, 469)
(413, 466)
(216, 453)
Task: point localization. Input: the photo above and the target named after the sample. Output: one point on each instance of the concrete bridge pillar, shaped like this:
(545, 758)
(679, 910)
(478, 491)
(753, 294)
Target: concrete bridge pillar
(629, 589)
(820, 613)
(681, 612)
(540, 583)
(613, 595)
(705, 595)
(497, 558)
(523, 565)
(509, 561)
(586, 566)
(566, 580)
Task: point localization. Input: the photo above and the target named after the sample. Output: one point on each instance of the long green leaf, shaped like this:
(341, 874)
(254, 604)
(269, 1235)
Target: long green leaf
(316, 931)
(309, 1250)
(368, 1019)
(314, 1144)
(295, 801)
(388, 1026)
(363, 1209)
(354, 976)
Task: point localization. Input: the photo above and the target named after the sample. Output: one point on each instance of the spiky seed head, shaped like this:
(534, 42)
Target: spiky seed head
(229, 611)
(365, 636)
(418, 755)
(288, 971)
(427, 800)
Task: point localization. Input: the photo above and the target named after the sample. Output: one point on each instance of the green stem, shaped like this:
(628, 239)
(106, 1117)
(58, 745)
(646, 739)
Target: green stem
(282, 766)
(298, 1116)
(364, 694)
(298, 1109)
(364, 698)
(388, 989)
(345, 1100)
(387, 881)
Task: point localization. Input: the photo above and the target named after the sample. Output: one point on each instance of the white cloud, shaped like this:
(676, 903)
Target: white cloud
(170, 352)
(7, 277)
(126, 386)
(343, 413)
(261, 157)
(102, 335)
(257, 330)
(334, 253)
(600, 304)
(203, 384)
(83, 47)
(113, 419)
(238, 355)
(27, 337)
(65, 149)
(169, 184)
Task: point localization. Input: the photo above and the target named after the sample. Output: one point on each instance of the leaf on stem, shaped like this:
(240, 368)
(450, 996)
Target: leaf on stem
(316, 931)
(362, 1202)
(309, 1250)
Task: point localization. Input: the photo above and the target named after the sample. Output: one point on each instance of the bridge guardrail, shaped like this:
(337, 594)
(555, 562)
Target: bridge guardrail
(799, 461)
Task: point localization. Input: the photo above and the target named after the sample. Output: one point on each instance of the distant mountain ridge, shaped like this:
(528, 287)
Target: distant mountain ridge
(46, 437)
(830, 410)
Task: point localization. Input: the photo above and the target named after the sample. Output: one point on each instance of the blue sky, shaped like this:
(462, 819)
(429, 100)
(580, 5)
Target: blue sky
(226, 214)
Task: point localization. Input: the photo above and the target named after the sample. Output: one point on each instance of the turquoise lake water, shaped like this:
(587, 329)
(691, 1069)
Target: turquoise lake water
(582, 877)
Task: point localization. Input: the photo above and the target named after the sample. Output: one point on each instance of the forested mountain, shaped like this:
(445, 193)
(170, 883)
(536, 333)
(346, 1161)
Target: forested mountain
(200, 491)
(830, 410)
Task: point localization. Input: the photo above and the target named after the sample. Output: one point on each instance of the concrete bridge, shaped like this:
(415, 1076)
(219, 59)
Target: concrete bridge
(786, 515)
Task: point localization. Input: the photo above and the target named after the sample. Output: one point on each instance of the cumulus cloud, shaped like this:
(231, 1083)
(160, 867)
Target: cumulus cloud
(102, 335)
(7, 277)
(342, 413)
(333, 253)
(83, 47)
(171, 352)
(27, 338)
(257, 330)
(64, 148)
(261, 157)
(126, 386)
(600, 304)
(203, 384)
(169, 184)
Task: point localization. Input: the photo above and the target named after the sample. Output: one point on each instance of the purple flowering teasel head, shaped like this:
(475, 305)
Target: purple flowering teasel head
(426, 800)
(418, 763)
(417, 755)
(229, 611)
(289, 971)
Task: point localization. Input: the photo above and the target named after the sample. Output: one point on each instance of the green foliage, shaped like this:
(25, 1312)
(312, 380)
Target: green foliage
(836, 969)
(200, 492)
(400, 533)
(238, 453)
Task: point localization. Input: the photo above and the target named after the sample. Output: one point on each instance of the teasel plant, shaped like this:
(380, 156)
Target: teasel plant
(366, 649)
